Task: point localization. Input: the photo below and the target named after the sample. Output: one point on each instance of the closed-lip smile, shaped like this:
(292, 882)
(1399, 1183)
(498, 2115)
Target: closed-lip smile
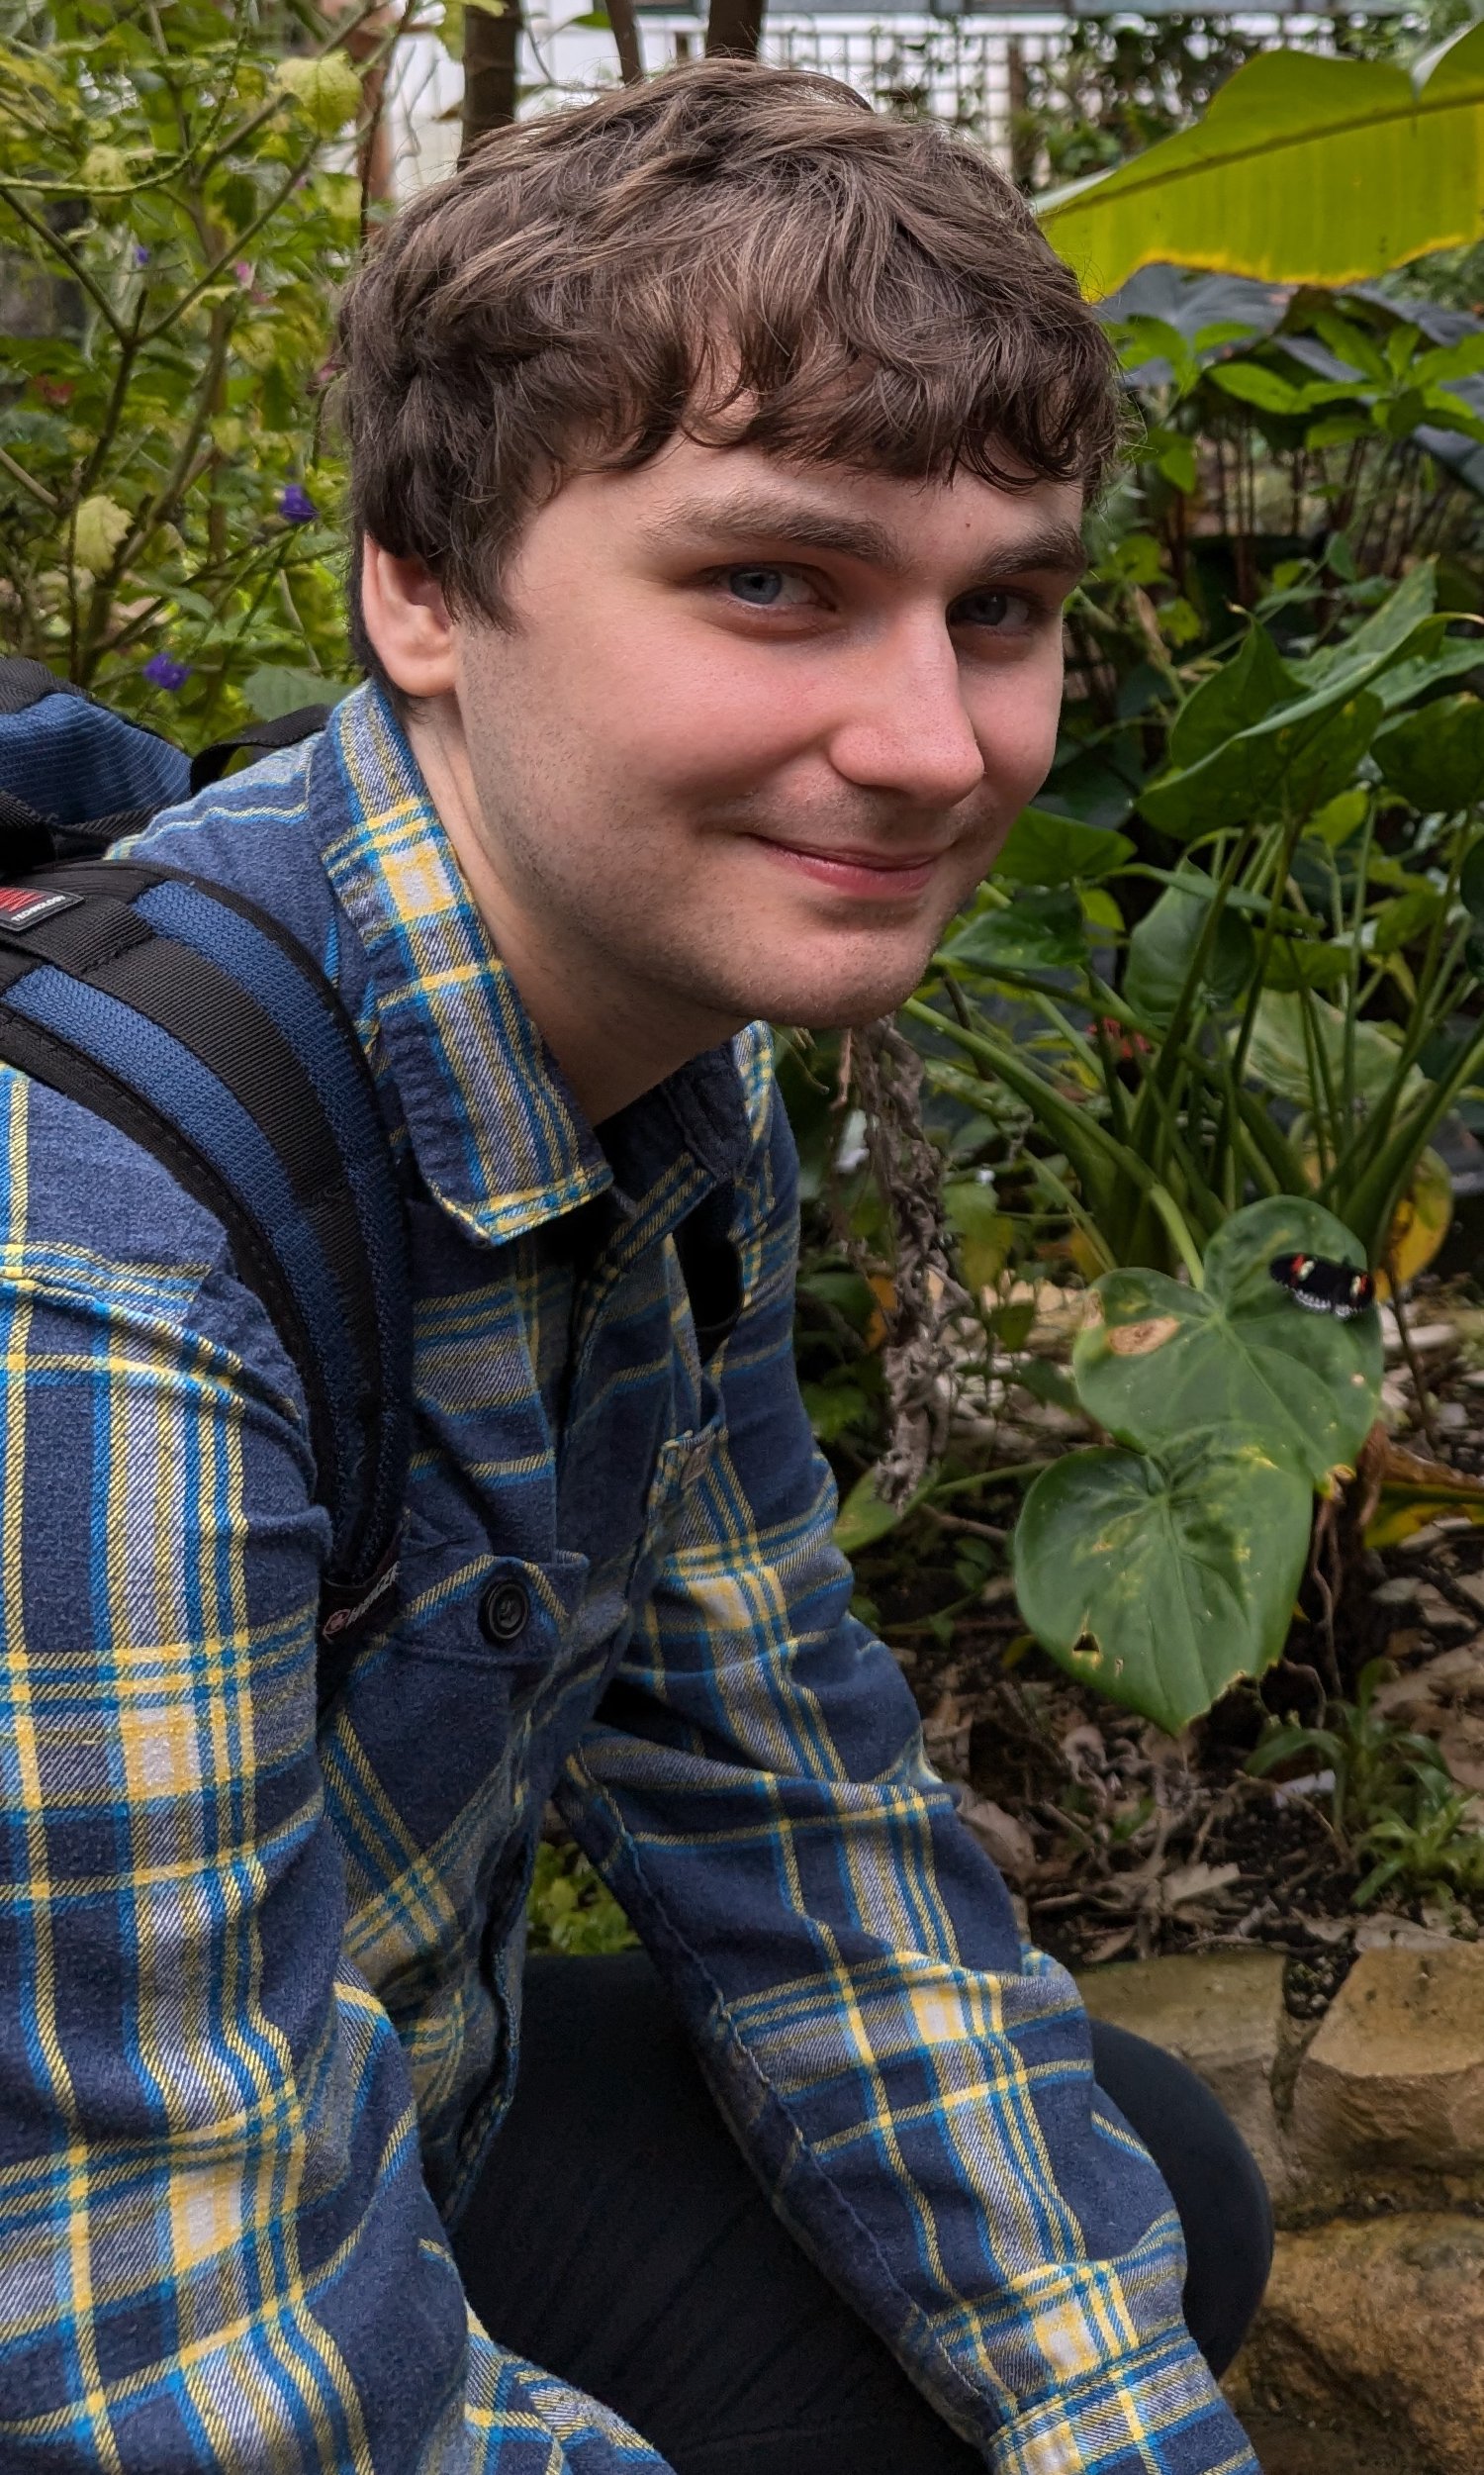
(875, 875)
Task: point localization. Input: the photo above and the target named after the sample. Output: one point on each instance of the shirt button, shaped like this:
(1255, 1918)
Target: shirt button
(505, 1611)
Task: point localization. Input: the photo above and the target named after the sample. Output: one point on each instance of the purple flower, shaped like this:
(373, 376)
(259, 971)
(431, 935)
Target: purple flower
(295, 505)
(141, 254)
(163, 671)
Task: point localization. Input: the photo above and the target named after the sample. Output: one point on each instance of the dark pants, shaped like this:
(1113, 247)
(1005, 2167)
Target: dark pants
(617, 2238)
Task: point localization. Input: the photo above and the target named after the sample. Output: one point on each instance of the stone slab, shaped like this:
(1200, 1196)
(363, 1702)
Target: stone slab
(1371, 2335)
(1395, 2076)
(1220, 2012)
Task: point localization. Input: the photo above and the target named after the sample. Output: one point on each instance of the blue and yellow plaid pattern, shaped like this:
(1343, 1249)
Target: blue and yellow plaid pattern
(263, 1980)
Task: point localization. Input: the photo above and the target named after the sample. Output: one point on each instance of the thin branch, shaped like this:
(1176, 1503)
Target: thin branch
(53, 241)
(234, 249)
(36, 489)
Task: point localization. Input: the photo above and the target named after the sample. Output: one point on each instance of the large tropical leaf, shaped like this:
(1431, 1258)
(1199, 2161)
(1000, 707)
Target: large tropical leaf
(1303, 170)
(1162, 1361)
(1162, 1579)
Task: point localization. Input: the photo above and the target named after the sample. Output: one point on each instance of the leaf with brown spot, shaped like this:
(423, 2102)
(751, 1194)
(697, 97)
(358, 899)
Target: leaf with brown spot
(1242, 1353)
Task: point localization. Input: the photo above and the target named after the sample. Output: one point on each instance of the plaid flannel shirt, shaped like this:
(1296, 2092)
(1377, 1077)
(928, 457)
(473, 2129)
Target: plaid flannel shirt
(262, 1982)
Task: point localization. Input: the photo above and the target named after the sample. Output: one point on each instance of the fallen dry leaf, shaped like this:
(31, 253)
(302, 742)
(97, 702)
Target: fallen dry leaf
(1005, 1842)
(1186, 1882)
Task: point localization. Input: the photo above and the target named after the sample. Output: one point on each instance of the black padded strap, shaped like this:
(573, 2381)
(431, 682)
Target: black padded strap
(24, 682)
(51, 1060)
(284, 731)
(349, 1341)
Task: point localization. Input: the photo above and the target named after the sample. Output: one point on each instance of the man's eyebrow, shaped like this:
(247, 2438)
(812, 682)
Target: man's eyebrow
(748, 515)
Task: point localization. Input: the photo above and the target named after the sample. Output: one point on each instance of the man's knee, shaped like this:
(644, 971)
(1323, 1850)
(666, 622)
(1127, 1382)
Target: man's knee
(1213, 2178)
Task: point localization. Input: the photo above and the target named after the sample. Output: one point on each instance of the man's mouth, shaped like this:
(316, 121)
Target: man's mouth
(871, 876)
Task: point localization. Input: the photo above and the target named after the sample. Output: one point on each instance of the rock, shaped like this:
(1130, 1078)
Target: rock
(1220, 2012)
(1451, 1417)
(1461, 1744)
(1399, 1591)
(1425, 1697)
(1439, 1614)
(1473, 1586)
(1383, 1932)
(1395, 2076)
(1376, 2331)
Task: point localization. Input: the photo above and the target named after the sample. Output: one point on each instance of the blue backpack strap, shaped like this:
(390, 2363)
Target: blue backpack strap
(190, 1018)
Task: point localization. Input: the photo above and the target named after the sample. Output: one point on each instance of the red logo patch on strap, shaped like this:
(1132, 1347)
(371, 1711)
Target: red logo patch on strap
(25, 906)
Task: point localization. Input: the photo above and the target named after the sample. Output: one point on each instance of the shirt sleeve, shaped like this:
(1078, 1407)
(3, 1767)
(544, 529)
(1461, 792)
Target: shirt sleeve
(219, 2256)
(911, 2083)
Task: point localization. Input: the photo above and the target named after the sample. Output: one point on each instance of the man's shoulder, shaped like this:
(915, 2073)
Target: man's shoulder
(260, 833)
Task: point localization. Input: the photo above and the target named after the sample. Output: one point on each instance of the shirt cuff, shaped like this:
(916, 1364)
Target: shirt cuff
(1155, 2412)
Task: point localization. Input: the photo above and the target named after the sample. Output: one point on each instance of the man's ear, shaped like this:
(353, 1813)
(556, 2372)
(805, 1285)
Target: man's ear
(407, 620)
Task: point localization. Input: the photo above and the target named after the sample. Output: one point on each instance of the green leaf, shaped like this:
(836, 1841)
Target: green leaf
(1404, 918)
(1244, 691)
(1278, 1056)
(1163, 1359)
(1341, 816)
(982, 1230)
(98, 529)
(1299, 963)
(833, 1408)
(1163, 947)
(1252, 382)
(1318, 764)
(1435, 757)
(1297, 754)
(1044, 849)
(1041, 931)
(273, 690)
(1161, 1580)
(863, 1518)
(1471, 881)
(326, 90)
(1303, 170)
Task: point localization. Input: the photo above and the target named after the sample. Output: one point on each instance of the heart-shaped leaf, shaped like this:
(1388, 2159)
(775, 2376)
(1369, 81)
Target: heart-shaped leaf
(1044, 849)
(1162, 1360)
(1042, 930)
(1163, 947)
(1161, 1580)
(1435, 757)
(1278, 1057)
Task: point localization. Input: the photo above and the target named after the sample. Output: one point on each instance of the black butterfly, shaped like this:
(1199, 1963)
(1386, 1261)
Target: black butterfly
(1326, 1289)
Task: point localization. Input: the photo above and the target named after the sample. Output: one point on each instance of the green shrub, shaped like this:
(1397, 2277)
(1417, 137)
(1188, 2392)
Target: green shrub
(175, 214)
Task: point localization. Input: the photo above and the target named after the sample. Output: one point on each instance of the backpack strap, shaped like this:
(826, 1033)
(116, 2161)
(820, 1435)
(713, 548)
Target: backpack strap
(285, 730)
(190, 1018)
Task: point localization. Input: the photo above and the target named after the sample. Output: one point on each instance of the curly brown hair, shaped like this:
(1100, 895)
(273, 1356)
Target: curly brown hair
(747, 254)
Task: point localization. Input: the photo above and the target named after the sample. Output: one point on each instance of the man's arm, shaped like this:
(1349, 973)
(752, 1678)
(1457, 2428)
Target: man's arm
(913, 2087)
(218, 2257)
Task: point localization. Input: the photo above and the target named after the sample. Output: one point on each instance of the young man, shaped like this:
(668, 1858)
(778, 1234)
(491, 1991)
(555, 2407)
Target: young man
(719, 452)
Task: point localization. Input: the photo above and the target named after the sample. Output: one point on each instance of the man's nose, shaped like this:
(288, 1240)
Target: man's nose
(903, 725)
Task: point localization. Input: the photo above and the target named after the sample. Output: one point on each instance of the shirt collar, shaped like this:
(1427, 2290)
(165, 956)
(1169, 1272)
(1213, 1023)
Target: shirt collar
(499, 1139)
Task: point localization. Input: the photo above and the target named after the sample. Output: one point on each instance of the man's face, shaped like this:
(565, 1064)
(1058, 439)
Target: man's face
(759, 728)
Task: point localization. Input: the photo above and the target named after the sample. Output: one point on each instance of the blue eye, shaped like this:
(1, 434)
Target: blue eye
(758, 586)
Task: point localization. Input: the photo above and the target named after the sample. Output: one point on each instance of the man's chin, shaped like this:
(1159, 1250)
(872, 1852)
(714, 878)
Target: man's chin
(847, 1009)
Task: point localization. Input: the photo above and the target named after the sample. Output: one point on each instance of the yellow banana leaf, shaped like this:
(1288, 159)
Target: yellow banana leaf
(1303, 171)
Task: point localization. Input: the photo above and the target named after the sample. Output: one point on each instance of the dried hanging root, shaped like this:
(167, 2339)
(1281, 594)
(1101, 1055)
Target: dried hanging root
(918, 1360)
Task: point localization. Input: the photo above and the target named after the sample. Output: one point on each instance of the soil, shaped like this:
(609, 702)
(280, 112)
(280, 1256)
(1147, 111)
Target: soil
(1120, 1841)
